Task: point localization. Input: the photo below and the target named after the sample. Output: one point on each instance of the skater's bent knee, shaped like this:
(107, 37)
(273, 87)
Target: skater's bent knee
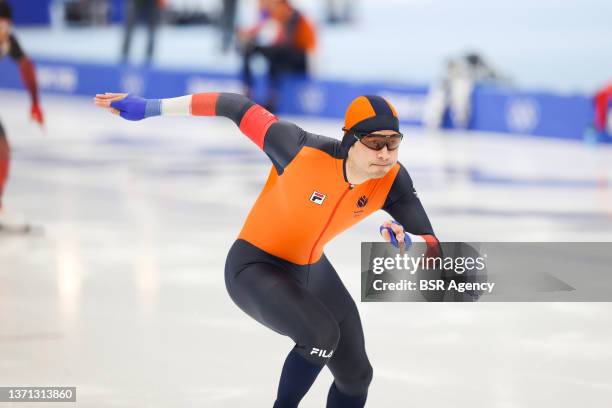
(319, 343)
(357, 382)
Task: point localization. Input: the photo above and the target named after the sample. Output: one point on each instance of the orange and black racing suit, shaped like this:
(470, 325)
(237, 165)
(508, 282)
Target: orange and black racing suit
(276, 271)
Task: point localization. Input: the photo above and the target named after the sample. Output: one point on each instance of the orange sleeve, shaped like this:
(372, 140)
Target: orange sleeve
(305, 36)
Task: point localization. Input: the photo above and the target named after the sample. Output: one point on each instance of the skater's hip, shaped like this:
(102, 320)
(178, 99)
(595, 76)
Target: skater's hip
(242, 254)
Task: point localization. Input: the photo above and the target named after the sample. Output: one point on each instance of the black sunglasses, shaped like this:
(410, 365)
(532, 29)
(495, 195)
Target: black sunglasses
(377, 141)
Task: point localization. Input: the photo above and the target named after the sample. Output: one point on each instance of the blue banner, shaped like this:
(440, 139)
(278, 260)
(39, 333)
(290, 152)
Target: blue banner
(530, 113)
(30, 12)
(493, 109)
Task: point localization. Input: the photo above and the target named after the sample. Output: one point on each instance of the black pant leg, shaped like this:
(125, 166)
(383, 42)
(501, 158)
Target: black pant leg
(249, 52)
(131, 16)
(283, 60)
(228, 22)
(349, 365)
(152, 14)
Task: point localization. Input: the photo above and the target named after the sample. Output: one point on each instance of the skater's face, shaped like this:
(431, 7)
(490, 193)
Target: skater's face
(374, 163)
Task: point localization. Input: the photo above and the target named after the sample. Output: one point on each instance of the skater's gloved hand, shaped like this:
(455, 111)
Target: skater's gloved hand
(392, 231)
(37, 115)
(128, 106)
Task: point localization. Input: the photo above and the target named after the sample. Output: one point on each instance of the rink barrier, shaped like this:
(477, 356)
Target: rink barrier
(43, 12)
(546, 114)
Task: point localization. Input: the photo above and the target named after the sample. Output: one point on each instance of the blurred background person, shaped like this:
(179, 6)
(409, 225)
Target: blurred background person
(228, 23)
(78, 13)
(99, 11)
(10, 46)
(150, 11)
(603, 121)
(340, 11)
(454, 91)
(288, 52)
(254, 32)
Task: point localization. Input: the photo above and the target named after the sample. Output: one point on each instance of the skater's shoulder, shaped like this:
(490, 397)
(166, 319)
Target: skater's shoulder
(283, 132)
(326, 144)
(402, 171)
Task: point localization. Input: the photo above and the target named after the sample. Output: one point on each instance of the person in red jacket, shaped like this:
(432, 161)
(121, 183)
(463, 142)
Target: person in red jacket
(10, 46)
(276, 271)
(602, 100)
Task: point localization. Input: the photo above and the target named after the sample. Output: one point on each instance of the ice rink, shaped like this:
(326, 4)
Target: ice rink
(123, 295)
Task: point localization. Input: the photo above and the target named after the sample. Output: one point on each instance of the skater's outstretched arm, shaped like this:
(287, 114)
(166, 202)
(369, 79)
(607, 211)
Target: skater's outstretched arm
(280, 140)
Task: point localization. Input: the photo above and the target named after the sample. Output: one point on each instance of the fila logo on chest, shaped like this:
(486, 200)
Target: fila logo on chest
(317, 197)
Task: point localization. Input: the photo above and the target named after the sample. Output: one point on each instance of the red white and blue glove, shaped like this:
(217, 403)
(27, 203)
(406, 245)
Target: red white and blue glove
(130, 107)
(137, 108)
(393, 232)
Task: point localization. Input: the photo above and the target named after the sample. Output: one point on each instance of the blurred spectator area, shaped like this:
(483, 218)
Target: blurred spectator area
(545, 45)
(100, 12)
